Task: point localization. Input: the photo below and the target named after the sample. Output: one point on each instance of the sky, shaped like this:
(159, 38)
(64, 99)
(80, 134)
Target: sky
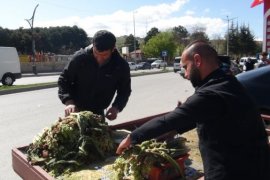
(123, 17)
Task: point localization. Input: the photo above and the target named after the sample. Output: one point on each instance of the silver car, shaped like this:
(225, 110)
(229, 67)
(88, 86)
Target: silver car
(158, 64)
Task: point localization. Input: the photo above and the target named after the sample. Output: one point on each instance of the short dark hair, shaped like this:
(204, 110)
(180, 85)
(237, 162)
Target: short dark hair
(264, 53)
(104, 40)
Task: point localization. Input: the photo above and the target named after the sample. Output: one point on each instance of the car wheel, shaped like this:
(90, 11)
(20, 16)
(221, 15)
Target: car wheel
(8, 79)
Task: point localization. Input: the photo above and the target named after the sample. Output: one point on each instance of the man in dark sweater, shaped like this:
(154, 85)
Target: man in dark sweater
(232, 138)
(93, 76)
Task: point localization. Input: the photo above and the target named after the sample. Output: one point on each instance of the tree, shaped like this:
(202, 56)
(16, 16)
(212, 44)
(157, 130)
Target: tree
(129, 42)
(242, 41)
(153, 32)
(219, 44)
(234, 40)
(5, 36)
(160, 42)
(180, 34)
(181, 38)
(246, 41)
(198, 33)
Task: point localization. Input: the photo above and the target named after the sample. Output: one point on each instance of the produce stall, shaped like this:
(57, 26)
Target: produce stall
(27, 170)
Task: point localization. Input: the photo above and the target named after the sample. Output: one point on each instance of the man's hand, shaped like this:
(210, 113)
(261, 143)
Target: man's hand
(70, 107)
(123, 145)
(111, 114)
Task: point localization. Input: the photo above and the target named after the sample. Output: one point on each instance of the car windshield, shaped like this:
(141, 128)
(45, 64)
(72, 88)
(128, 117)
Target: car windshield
(177, 60)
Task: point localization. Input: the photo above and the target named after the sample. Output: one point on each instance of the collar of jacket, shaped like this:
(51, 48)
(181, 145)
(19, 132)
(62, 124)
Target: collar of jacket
(216, 74)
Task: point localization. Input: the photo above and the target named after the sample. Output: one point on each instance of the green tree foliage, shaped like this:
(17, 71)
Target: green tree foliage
(198, 34)
(219, 44)
(160, 42)
(5, 36)
(64, 40)
(242, 41)
(180, 34)
(129, 42)
(233, 40)
(153, 32)
(246, 41)
(120, 42)
(181, 38)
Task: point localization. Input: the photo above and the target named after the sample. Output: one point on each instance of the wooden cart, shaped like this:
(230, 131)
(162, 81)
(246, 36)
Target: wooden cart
(32, 172)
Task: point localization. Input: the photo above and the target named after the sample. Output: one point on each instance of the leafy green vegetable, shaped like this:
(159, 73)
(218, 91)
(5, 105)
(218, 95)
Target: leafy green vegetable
(137, 162)
(72, 142)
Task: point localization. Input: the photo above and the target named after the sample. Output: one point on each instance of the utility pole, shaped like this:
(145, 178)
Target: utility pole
(135, 55)
(31, 23)
(228, 33)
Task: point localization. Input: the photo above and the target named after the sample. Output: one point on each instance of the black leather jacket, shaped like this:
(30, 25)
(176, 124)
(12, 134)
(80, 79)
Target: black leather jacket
(92, 87)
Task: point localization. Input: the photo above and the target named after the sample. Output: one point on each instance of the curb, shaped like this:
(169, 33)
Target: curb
(40, 74)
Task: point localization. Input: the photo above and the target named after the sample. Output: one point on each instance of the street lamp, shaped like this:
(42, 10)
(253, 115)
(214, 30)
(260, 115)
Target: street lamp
(31, 23)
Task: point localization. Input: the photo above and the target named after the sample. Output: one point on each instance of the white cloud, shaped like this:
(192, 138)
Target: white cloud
(162, 16)
(190, 13)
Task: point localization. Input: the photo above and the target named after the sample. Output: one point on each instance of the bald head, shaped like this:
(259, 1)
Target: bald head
(202, 48)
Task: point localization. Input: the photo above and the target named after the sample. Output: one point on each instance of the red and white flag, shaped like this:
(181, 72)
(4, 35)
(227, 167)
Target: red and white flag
(256, 2)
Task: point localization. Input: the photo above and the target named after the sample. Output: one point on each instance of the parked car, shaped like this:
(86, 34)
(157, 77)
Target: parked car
(144, 65)
(158, 64)
(176, 64)
(243, 60)
(257, 83)
(132, 66)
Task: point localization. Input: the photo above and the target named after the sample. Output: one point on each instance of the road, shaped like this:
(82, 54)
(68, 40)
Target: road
(53, 77)
(24, 115)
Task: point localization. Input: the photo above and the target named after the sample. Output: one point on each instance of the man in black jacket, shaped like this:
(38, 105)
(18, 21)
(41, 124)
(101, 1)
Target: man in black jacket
(232, 138)
(93, 76)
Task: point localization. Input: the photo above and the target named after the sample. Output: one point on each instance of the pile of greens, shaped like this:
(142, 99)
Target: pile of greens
(72, 142)
(137, 162)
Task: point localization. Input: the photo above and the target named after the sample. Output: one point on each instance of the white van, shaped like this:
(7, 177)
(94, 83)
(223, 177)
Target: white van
(10, 68)
(176, 64)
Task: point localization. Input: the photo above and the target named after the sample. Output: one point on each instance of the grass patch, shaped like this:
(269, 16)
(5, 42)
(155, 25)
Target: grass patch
(4, 88)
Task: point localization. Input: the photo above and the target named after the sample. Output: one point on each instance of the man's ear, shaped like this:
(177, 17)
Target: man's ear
(197, 60)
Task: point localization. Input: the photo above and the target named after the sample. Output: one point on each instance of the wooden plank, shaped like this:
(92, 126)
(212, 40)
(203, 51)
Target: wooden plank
(24, 169)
